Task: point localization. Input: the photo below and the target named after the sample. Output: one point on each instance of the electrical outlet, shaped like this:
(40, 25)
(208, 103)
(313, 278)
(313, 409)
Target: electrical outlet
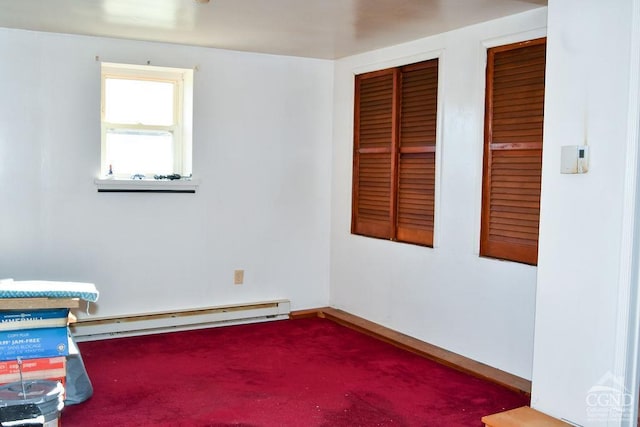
(238, 277)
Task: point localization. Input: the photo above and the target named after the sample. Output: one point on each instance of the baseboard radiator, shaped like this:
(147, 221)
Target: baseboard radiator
(152, 323)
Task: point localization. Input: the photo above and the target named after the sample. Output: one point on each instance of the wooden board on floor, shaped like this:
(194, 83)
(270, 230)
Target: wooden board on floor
(522, 417)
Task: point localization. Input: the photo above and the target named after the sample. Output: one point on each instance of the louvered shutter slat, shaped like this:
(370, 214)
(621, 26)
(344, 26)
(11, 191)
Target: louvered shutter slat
(522, 202)
(415, 196)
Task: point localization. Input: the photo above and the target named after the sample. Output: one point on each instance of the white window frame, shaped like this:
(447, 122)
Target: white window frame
(183, 112)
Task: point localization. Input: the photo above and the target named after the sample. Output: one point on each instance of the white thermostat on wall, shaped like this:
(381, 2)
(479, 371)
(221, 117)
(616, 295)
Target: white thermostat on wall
(574, 159)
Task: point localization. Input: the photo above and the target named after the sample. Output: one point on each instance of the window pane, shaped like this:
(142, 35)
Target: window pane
(139, 101)
(147, 152)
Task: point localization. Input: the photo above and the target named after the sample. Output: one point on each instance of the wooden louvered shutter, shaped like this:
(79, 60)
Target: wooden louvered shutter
(416, 152)
(374, 142)
(513, 151)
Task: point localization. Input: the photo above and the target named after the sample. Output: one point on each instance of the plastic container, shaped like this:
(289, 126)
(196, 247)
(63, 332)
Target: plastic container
(46, 395)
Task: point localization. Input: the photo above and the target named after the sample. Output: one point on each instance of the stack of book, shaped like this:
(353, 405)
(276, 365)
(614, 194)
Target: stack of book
(34, 343)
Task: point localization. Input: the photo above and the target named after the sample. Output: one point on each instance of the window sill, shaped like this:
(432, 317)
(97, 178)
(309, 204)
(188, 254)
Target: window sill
(145, 186)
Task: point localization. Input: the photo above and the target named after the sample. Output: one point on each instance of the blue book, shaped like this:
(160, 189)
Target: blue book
(31, 319)
(34, 343)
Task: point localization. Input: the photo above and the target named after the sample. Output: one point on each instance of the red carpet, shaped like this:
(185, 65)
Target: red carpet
(306, 372)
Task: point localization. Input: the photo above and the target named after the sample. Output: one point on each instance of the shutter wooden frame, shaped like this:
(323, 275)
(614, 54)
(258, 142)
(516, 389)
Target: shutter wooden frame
(416, 153)
(512, 166)
(371, 198)
(401, 207)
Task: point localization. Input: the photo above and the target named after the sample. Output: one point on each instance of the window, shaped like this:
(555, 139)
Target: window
(394, 153)
(514, 117)
(146, 121)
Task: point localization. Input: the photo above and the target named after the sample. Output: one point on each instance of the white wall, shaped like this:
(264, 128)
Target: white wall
(581, 234)
(262, 131)
(448, 296)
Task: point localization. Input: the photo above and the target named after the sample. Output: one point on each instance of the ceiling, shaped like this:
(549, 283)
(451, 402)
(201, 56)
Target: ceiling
(327, 29)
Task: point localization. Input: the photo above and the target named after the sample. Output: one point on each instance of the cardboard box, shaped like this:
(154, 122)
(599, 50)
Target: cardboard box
(34, 343)
(46, 368)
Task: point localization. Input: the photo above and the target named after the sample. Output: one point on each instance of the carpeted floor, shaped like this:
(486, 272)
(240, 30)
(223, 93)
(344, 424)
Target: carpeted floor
(305, 372)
